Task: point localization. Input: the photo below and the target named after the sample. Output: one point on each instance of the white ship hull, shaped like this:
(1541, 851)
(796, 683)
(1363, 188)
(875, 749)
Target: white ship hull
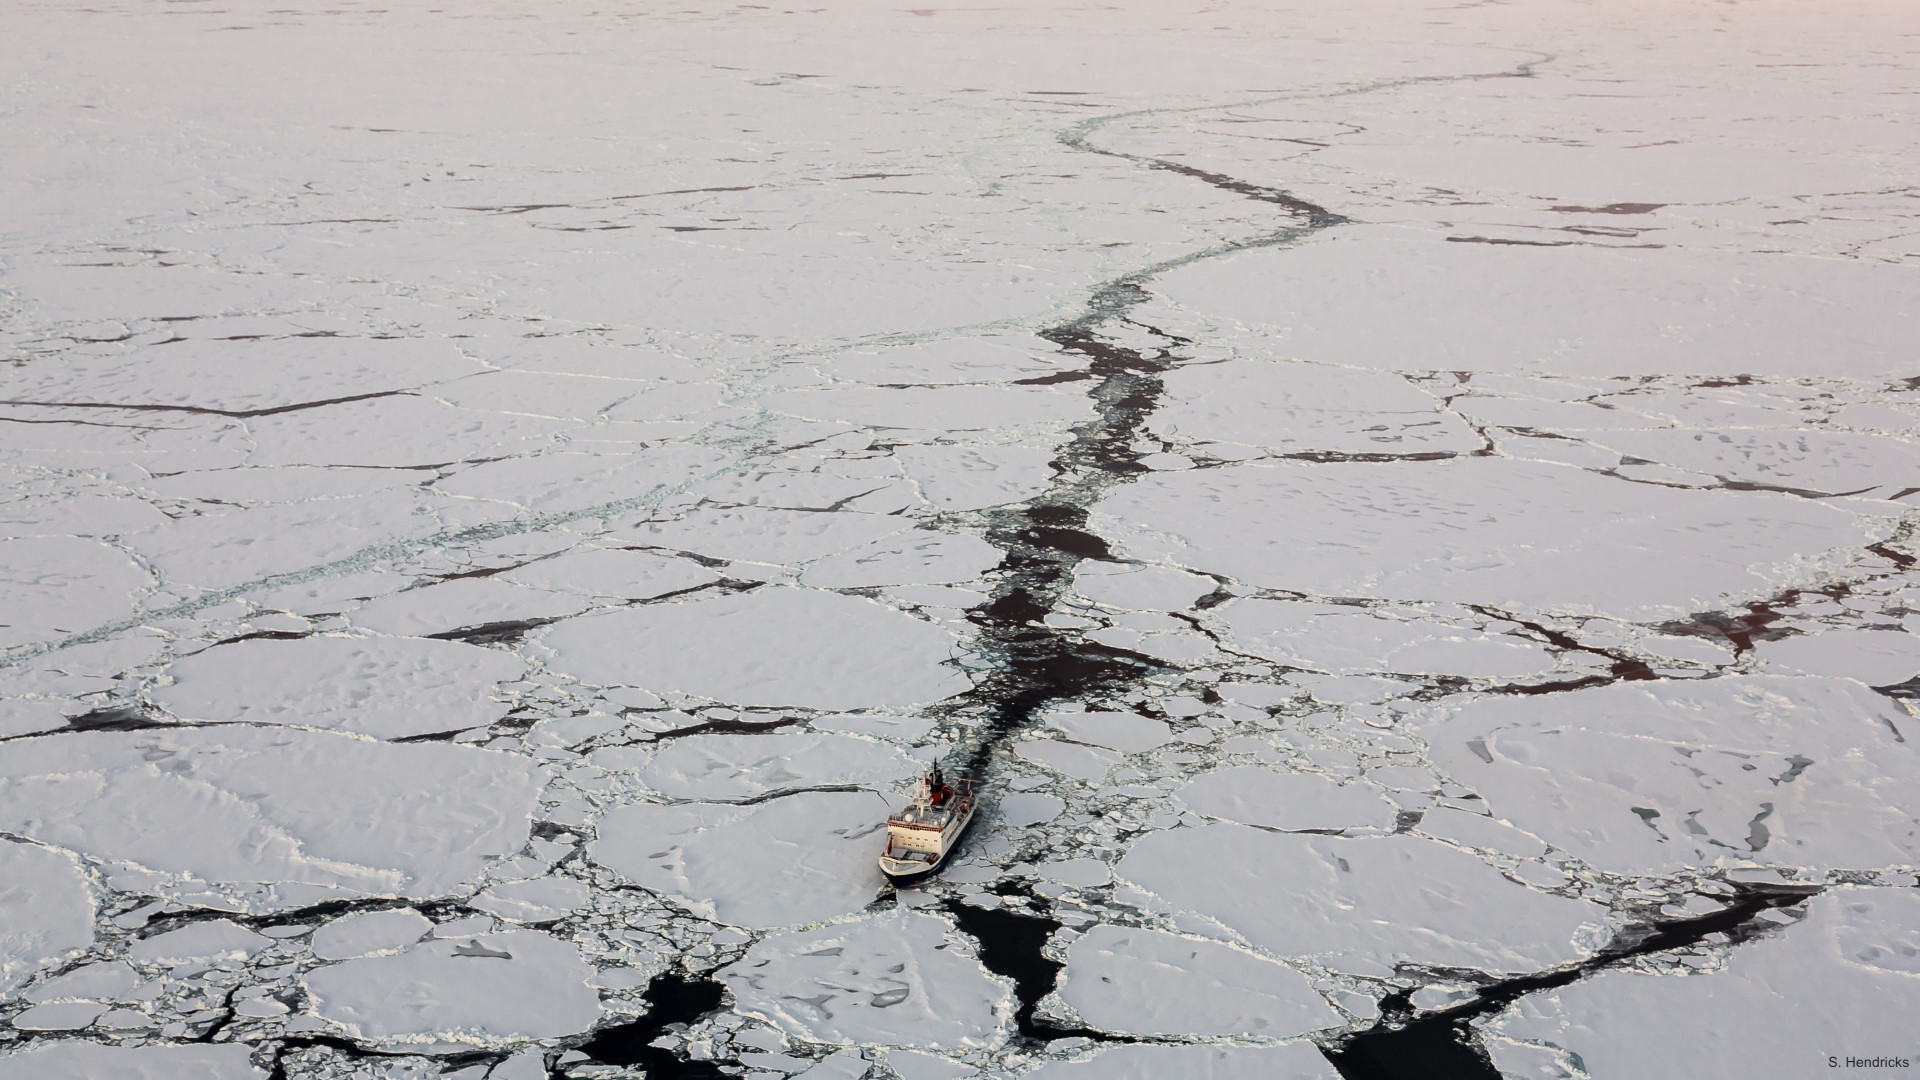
(924, 836)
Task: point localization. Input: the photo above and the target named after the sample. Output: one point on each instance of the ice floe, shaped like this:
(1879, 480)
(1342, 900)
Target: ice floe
(1291, 895)
(268, 817)
(1514, 535)
(898, 978)
(1639, 778)
(100, 1061)
(798, 859)
(785, 646)
(46, 910)
(1147, 982)
(385, 687)
(1838, 984)
(443, 996)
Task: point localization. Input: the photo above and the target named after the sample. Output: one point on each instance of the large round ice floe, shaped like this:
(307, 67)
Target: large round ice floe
(740, 766)
(1514, 534)
(98, 1061)
(897, 979)
(270, 817)
(449, 995)
(797, 859)
(1145, 982)
(1651, 777)
(384, 687)
(771, 646)
(45, 909)
(1424, 903)
(1841, 983)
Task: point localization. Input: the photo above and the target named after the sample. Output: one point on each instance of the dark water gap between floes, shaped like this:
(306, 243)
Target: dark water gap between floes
(671, 999)
(1442, 1045)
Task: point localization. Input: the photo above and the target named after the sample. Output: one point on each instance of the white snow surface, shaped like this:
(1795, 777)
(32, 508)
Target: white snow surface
(46, 910)
(1512, 534)
(365, 932)
(895, 978)
(1252, 795)
(1741, 769)
(1295, 1061)
(241, 811)
(1344, 640)
(1306, 407)
(726, 767)
(216, 939)
(383, 687)
(1147, 982)
(785, 646)
(1837, 983)
(476, 484)
(99, 1061)
(1289, 894)
(798, 859)
(456, 994)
